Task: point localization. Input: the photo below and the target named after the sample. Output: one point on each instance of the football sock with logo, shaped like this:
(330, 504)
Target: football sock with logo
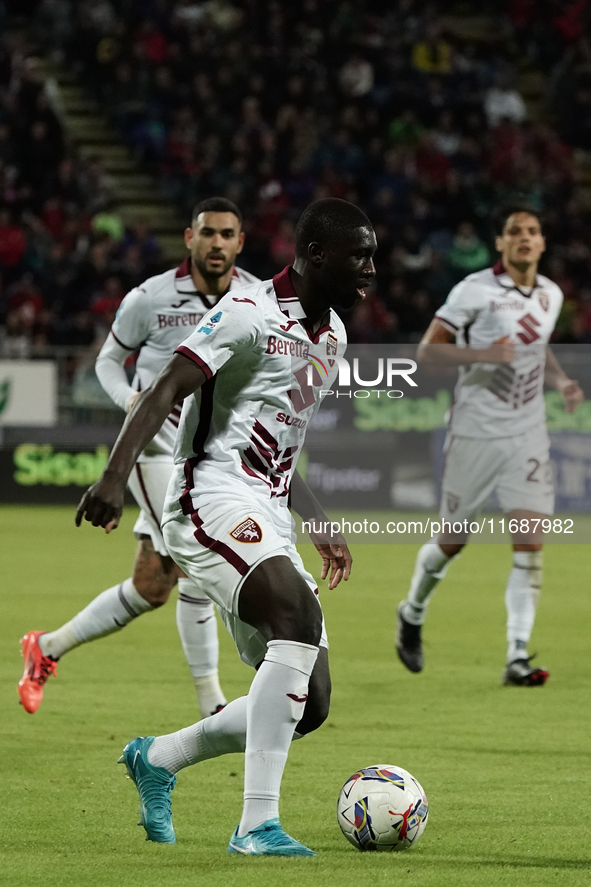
(198, 630)
(110, 611)
(275, 705)
(221, 734)
(430, 568)
(521, 599)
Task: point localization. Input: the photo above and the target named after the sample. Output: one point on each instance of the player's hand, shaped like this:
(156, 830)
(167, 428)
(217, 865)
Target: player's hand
(335, 555)
(102, 503)
(501, 351)
(572, 394)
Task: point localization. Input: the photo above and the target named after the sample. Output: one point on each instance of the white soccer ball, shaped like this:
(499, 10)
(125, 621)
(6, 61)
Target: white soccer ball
(382, 808)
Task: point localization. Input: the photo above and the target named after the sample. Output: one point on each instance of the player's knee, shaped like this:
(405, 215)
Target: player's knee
(280, 604)
(451, 549)
(315, 712)
(301, 623)
(155, 592)
(310, 633)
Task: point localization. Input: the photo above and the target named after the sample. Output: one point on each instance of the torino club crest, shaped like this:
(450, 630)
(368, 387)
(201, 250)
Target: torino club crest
(247, 531)
(332, 344)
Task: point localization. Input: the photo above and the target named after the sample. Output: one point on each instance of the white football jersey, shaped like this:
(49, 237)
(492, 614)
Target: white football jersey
(500, 400)
(155, 318)
(243, 430)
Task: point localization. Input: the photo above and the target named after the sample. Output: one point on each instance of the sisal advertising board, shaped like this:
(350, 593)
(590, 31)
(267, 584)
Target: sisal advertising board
(41, 473)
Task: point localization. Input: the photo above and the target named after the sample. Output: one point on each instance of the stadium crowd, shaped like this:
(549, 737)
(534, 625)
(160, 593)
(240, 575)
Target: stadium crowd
(274, 105)
(65, 259)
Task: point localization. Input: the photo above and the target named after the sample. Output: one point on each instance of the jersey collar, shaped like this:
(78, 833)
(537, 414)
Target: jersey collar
(291, 306)
(183, 283)
(504, 279)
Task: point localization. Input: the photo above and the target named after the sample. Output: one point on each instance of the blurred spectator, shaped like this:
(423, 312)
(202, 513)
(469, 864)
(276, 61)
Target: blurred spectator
(105, 303)
(356, 77)
(15, 336)
(140, 237)
(109, 222)
(432, 54)
(413, 255)
(431, 162)
(151, 42)
(25, 294)
(502, 102)
(406, 129)
(446, 138)
(282, 245)
(467, 252)
(12, 245)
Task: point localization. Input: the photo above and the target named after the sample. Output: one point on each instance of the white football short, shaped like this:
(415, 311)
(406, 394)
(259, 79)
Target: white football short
(218, 546)
(148, 482)
(517, 468)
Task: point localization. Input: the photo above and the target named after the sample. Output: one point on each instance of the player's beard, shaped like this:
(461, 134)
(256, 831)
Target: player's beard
(209, 273)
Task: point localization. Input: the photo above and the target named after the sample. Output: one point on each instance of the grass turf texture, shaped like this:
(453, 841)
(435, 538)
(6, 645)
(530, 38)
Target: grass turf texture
(506, 769)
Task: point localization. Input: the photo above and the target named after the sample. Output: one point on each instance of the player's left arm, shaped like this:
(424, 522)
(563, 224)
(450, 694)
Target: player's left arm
(555, 377)
(332, 547)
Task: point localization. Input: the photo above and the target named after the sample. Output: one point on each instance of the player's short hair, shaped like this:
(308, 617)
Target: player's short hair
(505, 210)
(216, 205)
(326, 221)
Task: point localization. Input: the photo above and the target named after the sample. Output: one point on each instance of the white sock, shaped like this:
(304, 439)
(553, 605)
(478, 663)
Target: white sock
(430, 568)
(275, 705)
(521, 599)
(221, 734)
(110, 611)
(198, 630)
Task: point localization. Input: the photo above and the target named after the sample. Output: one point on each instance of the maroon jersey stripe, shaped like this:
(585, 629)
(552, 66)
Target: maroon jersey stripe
(207, 541)
(186, 352)
(123, 345)
(218, 546)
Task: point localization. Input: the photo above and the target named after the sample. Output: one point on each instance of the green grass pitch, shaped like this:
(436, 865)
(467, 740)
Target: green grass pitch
(506, 769)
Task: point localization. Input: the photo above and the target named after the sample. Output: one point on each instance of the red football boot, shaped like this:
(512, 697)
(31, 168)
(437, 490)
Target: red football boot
(37, 669)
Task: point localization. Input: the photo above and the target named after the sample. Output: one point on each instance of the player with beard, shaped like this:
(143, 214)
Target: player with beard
(226, 518)
(495, 326)
(153, 320)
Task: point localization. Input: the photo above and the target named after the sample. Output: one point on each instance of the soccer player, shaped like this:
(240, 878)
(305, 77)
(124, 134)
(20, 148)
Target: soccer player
(248, 377)
(153, 319)
(494, 327)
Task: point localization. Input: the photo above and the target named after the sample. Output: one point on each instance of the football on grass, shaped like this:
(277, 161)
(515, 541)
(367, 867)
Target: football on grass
(382, 808)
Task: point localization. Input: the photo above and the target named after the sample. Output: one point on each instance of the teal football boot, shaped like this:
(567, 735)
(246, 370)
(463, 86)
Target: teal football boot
(154, 785)
(268, 839)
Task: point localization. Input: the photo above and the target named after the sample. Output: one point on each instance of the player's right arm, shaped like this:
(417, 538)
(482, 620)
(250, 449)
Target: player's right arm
(438, 348)
(233, 326)
(110, 370)
(102, 504)
(129, 331)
